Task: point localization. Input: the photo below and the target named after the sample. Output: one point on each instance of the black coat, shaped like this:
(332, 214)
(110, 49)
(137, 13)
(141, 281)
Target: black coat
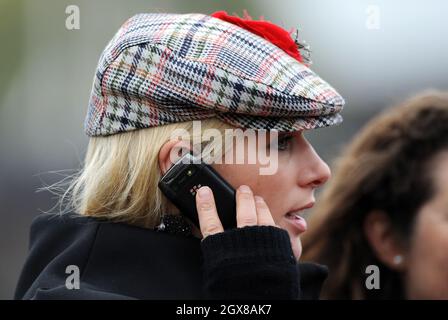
(119, 261)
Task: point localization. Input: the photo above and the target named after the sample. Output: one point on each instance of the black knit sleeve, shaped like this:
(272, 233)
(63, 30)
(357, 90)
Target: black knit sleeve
(253, 262)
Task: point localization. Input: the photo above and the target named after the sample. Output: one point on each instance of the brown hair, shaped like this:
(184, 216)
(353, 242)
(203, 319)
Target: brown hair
(385, 168)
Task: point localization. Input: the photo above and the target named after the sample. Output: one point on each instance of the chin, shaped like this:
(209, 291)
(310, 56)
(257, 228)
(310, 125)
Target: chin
(296, 247)
(296, 244)
(294, 236)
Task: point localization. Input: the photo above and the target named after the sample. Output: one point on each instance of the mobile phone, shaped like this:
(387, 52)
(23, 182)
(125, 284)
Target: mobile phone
(181, 182)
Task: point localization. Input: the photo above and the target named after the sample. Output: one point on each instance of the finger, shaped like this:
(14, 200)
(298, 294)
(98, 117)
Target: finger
(208, 216)
(246, 213)
(264, 215)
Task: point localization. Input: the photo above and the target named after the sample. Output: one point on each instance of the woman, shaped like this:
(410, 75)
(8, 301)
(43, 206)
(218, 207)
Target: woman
(159, 75)
(387, 207)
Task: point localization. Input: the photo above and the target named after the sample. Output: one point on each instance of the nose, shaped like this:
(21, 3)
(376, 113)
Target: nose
(322, 173)
(315, 172)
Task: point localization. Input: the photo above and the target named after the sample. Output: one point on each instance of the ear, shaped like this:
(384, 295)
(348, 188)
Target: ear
(384, 240)
(170, 152)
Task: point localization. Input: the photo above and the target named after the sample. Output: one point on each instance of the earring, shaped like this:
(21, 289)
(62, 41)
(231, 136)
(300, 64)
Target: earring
(398, 259)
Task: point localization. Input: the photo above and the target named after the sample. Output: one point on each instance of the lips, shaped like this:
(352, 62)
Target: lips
(294, 217)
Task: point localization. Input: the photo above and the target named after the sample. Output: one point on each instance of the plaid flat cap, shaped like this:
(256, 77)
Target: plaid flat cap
(166, 68)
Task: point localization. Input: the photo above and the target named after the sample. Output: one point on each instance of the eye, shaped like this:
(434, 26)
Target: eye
(284, 143)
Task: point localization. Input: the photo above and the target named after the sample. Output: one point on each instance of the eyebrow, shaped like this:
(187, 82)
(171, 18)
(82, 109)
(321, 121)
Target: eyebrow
(289, 134)
(285, 134)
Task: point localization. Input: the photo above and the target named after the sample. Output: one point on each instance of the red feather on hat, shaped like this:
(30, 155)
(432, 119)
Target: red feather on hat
(265, 29)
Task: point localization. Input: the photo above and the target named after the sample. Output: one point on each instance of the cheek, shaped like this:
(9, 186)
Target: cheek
(273, 188)
(238, 174)
(427, 276)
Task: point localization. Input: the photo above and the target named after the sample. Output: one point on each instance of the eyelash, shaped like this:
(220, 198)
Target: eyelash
(285, 139)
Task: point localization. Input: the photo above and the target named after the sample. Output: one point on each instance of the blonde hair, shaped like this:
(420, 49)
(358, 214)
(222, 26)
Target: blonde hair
(118, 179)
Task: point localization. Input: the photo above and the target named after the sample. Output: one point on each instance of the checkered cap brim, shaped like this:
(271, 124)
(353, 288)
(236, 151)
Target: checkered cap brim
(166, 68)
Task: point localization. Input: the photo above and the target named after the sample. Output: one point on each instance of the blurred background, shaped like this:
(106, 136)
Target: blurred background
(375, 53)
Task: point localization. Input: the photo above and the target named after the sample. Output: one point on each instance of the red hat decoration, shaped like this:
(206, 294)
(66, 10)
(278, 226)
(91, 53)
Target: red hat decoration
(271, 32)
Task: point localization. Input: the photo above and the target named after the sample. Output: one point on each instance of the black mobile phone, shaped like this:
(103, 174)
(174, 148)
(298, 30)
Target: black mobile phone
(181, 182)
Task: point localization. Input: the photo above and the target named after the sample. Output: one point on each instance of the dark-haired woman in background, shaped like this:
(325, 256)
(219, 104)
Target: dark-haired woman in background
(387, 205)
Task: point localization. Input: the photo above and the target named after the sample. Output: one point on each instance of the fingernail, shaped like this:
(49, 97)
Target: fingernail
(259, 199)
(204, 193)
(244, 189)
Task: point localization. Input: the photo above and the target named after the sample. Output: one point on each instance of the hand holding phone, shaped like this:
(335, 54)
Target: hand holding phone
(182, 181)
(209, 201)
(251, 211)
